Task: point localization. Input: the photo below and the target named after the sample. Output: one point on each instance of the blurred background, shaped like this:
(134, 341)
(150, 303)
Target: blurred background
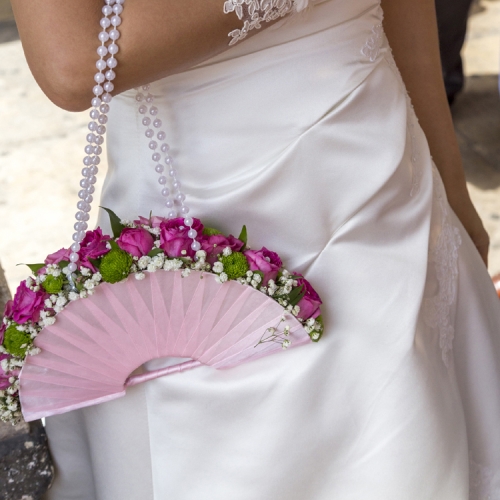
(41, 146)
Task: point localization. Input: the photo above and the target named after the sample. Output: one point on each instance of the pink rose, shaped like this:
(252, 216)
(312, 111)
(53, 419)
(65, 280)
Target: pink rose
(136, 241)
(93, 246)
(153, 221)
(8, 309)
(56, 257)
(310, 302)
(174, 237)
(265, 261)
(215, 244)
(4, 378)
(2, 332)
(27, 304)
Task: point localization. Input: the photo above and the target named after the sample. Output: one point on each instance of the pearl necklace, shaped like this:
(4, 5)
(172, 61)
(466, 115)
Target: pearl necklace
(95, 138)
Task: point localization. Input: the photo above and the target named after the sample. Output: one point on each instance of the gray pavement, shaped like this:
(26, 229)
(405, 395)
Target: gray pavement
(41, 146)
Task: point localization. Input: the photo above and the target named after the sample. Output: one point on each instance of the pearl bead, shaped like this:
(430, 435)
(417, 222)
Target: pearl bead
(156, 157)
(162, 180)
(100, 64)
(184, 210)
(76, 236)
(113, 49)
(111, 62)
(169, 203)
(82, 194)
(74, 257)
(192, 233)
(114, 34)
(81, 205)
(161, 135)
(149, 133)
(146, 87)
(176, 184)
(94, 114)
(146, 120)
(99, 140)
(83, 226)
(75, 247)
(79, 216)
(169, 160)
(92, 180)
(87, 161)
(110, 75)
(121, 2)
(165, 147)
(101, 129)
(86, 217)
(172, 214)
(195, 245)
(90, 138)
(107, 10)
(102, 50)
(89, 199)
(117, 9)
(139, 97)
(89, 149)
(153, 144)
(84, 183)
(85, 171)
(97, 150)
(93, 169)
(159, 169)
(188, 221)
(90, 189)
(103, 36)
(172, 172)
(97, 90)
(165, 192)
(143, 109)
(92, 126)
(110, 2)
(108, 87)
(99, 77)
(103, 118)
(105, 23)
(116, 21)
(72, 267)
(157, 123)
(180, 197)
(153, 111)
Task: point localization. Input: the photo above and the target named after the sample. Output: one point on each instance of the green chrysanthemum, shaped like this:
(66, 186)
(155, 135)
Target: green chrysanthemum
(235, 265)
(16, 342)
(53, 284)
(115, 265)
(210, 231)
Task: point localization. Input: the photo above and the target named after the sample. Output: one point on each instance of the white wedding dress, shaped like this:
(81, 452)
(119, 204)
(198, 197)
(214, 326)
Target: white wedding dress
(305, 134)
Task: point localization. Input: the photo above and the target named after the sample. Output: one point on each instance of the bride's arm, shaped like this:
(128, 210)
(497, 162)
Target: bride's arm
(411, 28)
(159, 37)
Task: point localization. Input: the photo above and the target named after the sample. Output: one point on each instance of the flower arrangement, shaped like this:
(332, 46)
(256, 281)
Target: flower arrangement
(142, 246)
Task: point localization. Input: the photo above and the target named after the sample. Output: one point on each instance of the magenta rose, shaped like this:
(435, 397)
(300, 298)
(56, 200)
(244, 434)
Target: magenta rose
(310, 302)
(174, 237)
(8, 309)
(265, 261)
(153, 221)
(215, 244)
(93, 246)
(2, 332)
(27, 304)
(56, 257)
(136, 241)
(4, 378)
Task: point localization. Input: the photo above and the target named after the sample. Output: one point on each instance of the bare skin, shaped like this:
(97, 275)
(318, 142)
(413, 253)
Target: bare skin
(60, 38)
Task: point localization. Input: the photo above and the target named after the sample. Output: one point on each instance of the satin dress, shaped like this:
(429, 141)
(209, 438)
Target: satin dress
(305, 133)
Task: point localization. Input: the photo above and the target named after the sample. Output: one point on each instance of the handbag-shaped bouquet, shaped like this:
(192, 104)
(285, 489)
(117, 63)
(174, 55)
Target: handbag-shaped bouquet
(93, 313)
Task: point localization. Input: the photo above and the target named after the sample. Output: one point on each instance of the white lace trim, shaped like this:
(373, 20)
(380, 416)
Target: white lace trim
(480, 479)
(416, 170)
(255, 12)
(372, 46)
(444, 243)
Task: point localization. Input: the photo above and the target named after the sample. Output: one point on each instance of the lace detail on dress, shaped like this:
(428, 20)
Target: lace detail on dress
(416, 171)
(444, 243)
(255, 12)
(372, 46)
(480, 479)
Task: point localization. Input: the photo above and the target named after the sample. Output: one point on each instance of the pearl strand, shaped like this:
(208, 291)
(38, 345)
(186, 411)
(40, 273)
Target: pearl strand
(179, 196)
(100, 104)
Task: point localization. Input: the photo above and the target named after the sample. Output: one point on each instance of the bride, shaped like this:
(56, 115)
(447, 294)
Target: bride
(341, 155)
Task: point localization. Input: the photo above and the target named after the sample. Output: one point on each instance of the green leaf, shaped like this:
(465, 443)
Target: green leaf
(63, 263)
(296, 295)
(243, 235)
(116, 226)
(210, 231)
(95, 262)
(114, 245)
(34, 267)
(155, 252)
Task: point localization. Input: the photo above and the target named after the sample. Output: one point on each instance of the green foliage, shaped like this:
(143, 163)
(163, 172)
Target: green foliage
(235, 265)
(34, 267)
(115, 265)
(16, 342)
(210, 231)
(116, 226)
(243, 235)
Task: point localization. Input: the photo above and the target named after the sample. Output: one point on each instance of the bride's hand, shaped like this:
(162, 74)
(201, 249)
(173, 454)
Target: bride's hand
(465, 211)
